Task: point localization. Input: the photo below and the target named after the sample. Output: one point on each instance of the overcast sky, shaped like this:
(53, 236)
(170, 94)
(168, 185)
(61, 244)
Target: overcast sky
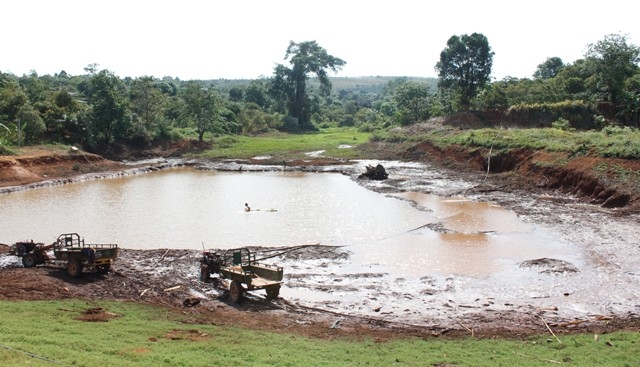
(193, 39)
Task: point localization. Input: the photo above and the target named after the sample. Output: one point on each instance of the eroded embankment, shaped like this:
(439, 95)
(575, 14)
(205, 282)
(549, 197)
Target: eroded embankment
(611, 183)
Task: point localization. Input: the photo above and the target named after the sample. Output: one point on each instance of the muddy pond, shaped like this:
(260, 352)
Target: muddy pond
(413, 256)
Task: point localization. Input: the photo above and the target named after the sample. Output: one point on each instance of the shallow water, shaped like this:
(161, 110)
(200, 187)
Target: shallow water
(414, 257)
(407, 233)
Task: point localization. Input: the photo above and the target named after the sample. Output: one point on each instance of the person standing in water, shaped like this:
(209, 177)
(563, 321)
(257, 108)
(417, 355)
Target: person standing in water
(246, 207)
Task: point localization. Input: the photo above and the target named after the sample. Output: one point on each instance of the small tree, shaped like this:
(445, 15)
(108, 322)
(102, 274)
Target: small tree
(464, 67)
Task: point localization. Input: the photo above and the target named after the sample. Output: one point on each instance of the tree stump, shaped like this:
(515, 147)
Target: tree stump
(375, 173)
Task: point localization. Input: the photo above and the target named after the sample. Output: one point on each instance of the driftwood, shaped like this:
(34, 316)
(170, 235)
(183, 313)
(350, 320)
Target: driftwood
(375, 173)
(548, 328)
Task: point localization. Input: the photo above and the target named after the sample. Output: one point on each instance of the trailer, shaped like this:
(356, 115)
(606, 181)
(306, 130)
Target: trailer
(240, 267)
(70, 248)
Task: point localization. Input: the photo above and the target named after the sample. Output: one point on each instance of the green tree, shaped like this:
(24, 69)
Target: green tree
(549, 69)
(147, 104)
(33, 86)
(202, 108)
(30, 124)
(614, 60)
(109, 107)
(464, 67)
(236, 94)
(305, 58)
(631, 112)
(257, 93)
(413, 101)
(12, 98)
(65, 117)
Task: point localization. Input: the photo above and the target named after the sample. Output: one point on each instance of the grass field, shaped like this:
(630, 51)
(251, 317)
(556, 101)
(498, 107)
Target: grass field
(334, 141)
(46, 333)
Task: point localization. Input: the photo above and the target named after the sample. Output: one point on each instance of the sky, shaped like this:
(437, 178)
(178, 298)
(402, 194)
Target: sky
(245, 39)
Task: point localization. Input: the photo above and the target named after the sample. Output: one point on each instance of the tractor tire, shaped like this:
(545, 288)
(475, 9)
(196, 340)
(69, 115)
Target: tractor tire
(74, 268)
(103, 269)
(273, 292)
(235, 291)
(29, 261)
(21, 250)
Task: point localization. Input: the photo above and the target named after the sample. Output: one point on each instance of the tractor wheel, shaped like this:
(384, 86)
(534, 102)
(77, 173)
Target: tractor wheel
(29, 260)
(21, 249)
(74, 268)
(103, 269)
(273, 292)
(235, 291)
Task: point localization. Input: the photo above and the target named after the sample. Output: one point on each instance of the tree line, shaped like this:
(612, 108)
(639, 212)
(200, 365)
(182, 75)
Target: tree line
(100, 111)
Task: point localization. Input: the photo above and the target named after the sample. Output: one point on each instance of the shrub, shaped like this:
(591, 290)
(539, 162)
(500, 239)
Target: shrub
(561, 124)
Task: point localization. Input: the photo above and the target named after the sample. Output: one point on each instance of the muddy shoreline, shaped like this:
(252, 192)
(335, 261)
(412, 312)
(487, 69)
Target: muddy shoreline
(597, 295)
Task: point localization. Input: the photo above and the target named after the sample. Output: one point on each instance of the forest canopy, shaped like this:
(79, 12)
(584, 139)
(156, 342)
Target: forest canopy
(100, 110)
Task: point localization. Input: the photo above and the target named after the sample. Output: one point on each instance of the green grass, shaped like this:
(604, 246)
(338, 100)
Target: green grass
(139, 337)
(288, 146)
(611, 142)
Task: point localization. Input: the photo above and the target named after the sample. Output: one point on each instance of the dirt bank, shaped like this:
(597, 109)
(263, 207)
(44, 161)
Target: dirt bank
(39, 164)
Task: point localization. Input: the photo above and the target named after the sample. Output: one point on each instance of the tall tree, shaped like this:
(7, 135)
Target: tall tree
(464, 67)
(107, 97)
(614, 60)
(305, 58)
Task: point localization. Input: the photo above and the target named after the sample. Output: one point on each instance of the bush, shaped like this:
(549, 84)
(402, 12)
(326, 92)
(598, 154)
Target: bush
(366, 128)
(561, 124)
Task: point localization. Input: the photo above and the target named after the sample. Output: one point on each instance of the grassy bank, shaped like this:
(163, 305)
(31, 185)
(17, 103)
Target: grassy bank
(336, 143)
(610, 142)
(45, 333)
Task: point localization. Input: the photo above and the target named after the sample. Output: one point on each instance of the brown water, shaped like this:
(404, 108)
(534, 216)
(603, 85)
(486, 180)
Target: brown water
(186, 208)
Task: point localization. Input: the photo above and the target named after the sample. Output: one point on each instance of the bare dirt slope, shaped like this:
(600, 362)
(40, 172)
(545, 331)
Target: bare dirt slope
(39, 164)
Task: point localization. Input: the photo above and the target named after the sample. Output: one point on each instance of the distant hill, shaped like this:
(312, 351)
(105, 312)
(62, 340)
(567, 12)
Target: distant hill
(368, 81)
(362, 83)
